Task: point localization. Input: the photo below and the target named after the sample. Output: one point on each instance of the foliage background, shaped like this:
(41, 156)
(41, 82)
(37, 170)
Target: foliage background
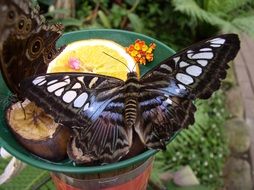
(177, 23)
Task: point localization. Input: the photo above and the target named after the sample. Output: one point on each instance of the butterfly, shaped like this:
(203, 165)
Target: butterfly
(27, 42)
(105, 113)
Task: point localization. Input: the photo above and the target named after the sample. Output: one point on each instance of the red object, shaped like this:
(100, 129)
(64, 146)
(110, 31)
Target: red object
(135, 179)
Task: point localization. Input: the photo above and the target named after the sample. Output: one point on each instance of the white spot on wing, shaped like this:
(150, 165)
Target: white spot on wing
(218, 41)
(42, 83)
(215, 45)
(205, 49)
(67, 81)
(92, 82)
(51, 82)
(194, 70)
(69, 96)
(183, 78)
(177, 90)
(181, 86)
(183, 64)
(169, 101)
(80, 100)
(205, 55)
(176, 59)
(56, 86)
(77, 85)
(81, 79)
(59, 92)
(39, 79)
(86, 107)
(202, 62)
(164, 66)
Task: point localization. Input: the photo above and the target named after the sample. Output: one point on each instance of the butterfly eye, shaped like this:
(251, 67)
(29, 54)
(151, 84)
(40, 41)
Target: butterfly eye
(11, 15)
(35, 48)
(22, 24)
(50, 55)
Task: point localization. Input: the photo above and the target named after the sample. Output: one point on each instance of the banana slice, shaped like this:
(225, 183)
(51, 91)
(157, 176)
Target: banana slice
(37, 131)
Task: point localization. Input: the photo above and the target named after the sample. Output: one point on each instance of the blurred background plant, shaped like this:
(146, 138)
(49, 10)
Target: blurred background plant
(177, 23)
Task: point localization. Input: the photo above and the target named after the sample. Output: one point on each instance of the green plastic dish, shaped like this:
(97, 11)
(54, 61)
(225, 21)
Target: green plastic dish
(125, 38)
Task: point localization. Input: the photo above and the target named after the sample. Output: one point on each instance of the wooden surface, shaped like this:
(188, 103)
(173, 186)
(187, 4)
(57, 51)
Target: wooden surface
(244, 69)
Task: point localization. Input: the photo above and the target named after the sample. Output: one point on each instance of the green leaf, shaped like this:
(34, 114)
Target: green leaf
(57, 11)
(136, 22)
(36, 179)
(28, 178)
(46, 2)
(226, 6)
(130, 2)
(219, 15)
(192, 9)
(104, 19)
(245, 24)
(70, 22)
(116, 15)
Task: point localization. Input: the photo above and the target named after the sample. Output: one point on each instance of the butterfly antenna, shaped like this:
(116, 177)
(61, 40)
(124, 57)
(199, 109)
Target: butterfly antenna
(117, 60)
(134, 66)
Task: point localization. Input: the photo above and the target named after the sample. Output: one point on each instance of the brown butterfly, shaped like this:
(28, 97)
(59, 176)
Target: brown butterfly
(27, 43)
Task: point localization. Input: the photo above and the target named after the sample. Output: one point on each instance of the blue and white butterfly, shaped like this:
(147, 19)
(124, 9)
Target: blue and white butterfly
(105, 112)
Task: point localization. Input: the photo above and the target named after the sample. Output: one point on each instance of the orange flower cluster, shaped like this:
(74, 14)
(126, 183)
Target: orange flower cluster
(141, 52)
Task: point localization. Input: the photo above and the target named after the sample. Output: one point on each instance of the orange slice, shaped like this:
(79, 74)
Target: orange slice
(95, 56)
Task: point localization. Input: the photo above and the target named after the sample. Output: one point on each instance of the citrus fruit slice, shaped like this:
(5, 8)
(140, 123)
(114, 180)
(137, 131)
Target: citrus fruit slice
(95, 56)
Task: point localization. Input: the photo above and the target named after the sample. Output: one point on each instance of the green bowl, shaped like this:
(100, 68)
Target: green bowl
(125, 38)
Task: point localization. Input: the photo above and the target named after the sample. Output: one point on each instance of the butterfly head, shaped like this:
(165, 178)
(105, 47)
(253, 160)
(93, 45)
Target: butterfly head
(132, 75)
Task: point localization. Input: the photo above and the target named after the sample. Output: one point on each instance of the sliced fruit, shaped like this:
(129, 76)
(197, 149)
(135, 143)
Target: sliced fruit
(37, 131)
(95, 56)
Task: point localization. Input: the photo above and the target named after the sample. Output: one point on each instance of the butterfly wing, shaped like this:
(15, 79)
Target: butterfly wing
(200, 67)
(18, 17)
(161, 116)
(194, 72)
(92, 105)
(27, 43)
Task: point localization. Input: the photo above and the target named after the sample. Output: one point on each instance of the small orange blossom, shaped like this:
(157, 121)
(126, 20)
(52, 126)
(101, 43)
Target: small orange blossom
(141, 52)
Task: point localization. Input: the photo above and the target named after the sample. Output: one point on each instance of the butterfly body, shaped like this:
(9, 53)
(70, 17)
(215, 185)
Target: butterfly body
(131, 89)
